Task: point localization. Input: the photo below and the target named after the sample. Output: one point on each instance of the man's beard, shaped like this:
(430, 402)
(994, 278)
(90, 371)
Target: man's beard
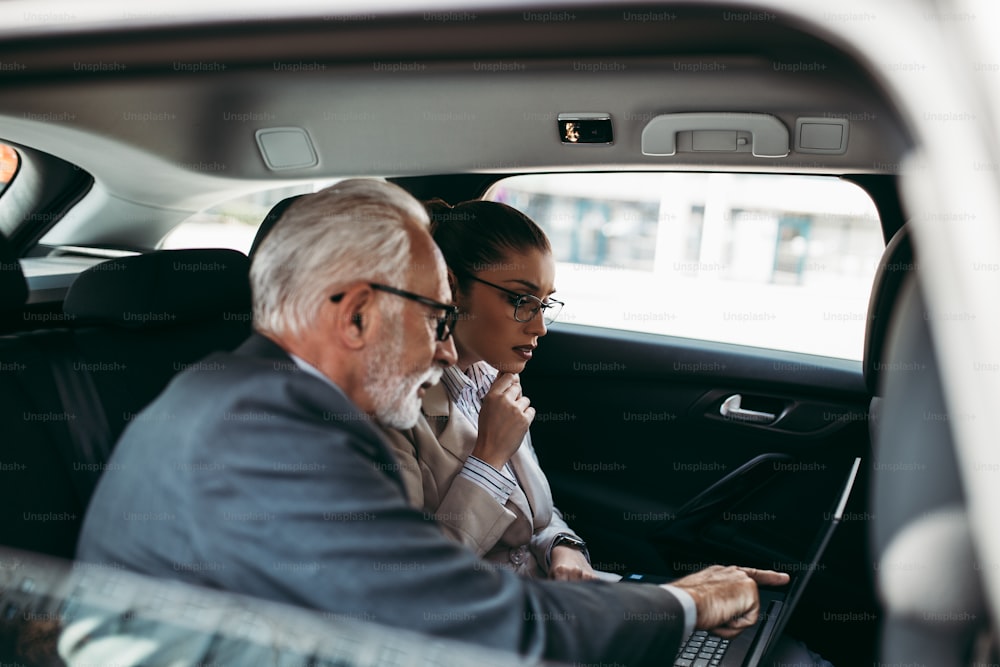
(394, 396)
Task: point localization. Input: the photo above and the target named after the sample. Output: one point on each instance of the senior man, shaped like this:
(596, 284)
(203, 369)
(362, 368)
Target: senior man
(271, 479)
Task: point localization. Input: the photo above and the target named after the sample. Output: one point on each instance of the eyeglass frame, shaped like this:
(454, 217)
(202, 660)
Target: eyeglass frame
(542, 305)
(445, 325)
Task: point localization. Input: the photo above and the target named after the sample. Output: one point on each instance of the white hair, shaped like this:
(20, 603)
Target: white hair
(356, 230)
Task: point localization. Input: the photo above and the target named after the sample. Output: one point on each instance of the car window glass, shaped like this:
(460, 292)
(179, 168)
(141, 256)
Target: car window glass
(233, 224)
(774, 261)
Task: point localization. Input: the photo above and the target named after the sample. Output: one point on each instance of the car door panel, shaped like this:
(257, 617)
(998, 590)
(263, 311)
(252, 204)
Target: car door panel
(629, 429)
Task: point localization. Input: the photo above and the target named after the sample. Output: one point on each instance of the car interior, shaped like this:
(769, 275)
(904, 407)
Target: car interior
(667, 451)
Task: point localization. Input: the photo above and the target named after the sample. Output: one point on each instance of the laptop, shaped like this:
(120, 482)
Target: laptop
(750, 647)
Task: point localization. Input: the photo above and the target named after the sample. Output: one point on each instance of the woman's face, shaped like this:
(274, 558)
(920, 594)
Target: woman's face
(486, 330)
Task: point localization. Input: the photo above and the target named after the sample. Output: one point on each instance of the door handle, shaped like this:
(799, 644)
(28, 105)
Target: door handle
(730, 409)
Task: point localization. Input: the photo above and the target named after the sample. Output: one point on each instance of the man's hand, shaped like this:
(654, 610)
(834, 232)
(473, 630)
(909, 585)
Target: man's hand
(569, 564)
(504, 419)
(726, 597)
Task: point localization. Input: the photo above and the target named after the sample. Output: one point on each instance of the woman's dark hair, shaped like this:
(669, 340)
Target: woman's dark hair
(475, 235)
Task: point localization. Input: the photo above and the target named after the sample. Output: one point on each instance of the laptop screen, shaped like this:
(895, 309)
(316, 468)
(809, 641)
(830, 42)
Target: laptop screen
(800, 579)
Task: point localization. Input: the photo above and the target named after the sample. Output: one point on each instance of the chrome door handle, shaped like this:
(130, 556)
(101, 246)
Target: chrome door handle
(731, 409)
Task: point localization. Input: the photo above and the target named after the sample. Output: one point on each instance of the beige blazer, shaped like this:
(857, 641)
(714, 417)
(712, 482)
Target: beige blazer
(517, 535)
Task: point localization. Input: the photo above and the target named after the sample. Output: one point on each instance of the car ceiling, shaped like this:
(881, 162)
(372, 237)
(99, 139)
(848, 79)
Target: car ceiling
(446, 111)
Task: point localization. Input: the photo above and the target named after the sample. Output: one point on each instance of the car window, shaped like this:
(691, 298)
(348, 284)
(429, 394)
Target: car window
(770, 260)
(9, 162)
(233, 224)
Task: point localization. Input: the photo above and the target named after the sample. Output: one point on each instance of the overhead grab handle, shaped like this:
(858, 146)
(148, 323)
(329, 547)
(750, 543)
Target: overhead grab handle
(716, 132)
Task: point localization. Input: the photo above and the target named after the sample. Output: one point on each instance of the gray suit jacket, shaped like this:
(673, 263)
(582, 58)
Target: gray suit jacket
(517, 535)
(249, 475)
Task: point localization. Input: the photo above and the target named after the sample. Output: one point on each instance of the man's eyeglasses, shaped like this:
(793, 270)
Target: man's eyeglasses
(527, 306)
(445, 325)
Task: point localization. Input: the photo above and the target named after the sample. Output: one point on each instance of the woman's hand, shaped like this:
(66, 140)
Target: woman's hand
(504, 419)
(569, 564)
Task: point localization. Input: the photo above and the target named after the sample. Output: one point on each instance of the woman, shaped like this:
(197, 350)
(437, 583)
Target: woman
(469, 460)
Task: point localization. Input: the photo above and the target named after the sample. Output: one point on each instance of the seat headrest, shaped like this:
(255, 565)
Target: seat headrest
(897, 262)
(270, 219)
(163, 288)
(13, 287)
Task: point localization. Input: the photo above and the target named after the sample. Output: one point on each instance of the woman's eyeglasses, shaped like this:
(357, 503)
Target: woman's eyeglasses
(527, 306)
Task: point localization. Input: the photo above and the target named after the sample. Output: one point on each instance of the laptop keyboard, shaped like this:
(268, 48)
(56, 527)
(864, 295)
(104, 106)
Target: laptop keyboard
(702, 650)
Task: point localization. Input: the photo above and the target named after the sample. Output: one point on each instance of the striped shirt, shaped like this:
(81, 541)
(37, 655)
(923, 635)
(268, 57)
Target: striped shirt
(466, 391)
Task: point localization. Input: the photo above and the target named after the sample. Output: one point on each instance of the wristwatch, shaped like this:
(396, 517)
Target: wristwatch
(567, 540)
(564, 539)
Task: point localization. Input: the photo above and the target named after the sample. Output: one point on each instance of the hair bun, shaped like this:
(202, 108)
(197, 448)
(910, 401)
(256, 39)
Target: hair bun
(437, 206)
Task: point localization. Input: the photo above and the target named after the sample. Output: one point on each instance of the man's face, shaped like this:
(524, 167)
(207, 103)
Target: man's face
(396, 390)
(409, 358)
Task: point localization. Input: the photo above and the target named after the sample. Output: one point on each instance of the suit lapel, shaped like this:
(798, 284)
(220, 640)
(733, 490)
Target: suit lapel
(452, 429)
(458, 436)
(534, 487)
(521, 496)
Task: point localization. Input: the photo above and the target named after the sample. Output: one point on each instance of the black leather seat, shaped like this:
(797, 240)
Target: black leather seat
(35, 489)
(141, 320)
(137, 322)
(270, 219)
(13, 287)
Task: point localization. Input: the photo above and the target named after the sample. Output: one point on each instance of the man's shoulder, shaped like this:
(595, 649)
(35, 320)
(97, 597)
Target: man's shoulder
(257, 354)
(242, 371)
(233, 394)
